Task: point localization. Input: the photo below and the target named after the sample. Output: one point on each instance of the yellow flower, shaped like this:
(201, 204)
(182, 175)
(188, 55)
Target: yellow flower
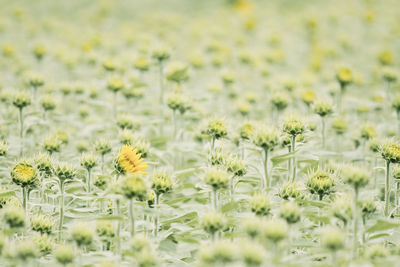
(130, 160)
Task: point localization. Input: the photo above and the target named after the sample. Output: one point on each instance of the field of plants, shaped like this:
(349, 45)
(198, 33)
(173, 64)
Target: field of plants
(200, 133)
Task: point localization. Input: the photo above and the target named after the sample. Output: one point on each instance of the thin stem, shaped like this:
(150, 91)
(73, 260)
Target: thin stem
(89, 180)
(118, 233)
(132, 216)
(102, 163)
(289, 163)
(293, 158)
(355, 229)
(61, 210)
(214, 199)
(161, 78)
(157, 218)
(387, 181)
(21, 131)
(115, 105)
(25, 201)
(323, 132)
(266, 175)
(212, 145)
(334, 259)
(174, 123)
(397, 197)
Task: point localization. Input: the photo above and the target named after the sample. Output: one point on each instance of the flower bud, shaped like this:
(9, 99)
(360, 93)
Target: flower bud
(339, 125)
(88, 161)
(293, 126)
(320, 182)
(139, 243)
(102, 146)
(82, 234)
(39, 51)
(290, 212)
(44, 244)
(390, 151)
(323, 108)
(177, 72)
(21, 100)
(275, 230)
(308, 97)
(134, 186)
(47, 102)
(64, 254)
(162, 182)
(24, 173)
(14, 216)
(213, 222)
(3, 148)
(236, 166)
(376, 251)
(25, 250)
(368, 132)
(280, 101)
(252, 254)
(265, 138)
(218, 158)
(252, 226)
(221, 253)
(64, 172)
(215, 128)
(178, 102)
(42, 224)
(355, 176)
(102, 181)
(52, 144)
(216, 178)
(260, 204)
(160, 53)
(290, 191)
(246, 130)
(342, 208)
(141, 64)
(115, 84)
(332, 239)
(125, 121)
(344, 77)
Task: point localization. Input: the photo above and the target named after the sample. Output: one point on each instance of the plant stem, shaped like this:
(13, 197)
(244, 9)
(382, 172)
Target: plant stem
(132, 216)
(334, 259)
(289, 163)
(214, 199)
(21, 132)
(266, 176)
(102, 163)
(161, 78)
(212, 145)
(293, 158)
(174, 123)
(323, 132)
(397, 197)
(89, 180)
(118, 234)
(61, 210)
(355, 229)
(115, 105)
(156, 219)
(387, 181)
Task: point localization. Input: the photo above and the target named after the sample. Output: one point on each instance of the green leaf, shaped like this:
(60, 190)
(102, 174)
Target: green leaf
(382, 225)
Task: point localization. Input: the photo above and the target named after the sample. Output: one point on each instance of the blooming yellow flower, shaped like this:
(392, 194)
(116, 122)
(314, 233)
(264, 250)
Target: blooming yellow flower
(130, 160)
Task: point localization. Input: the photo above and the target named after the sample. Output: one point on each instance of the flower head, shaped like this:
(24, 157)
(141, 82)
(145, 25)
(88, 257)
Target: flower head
(130, 160)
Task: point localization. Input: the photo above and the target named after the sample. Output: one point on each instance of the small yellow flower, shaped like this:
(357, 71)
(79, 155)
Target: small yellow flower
(130, 160)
